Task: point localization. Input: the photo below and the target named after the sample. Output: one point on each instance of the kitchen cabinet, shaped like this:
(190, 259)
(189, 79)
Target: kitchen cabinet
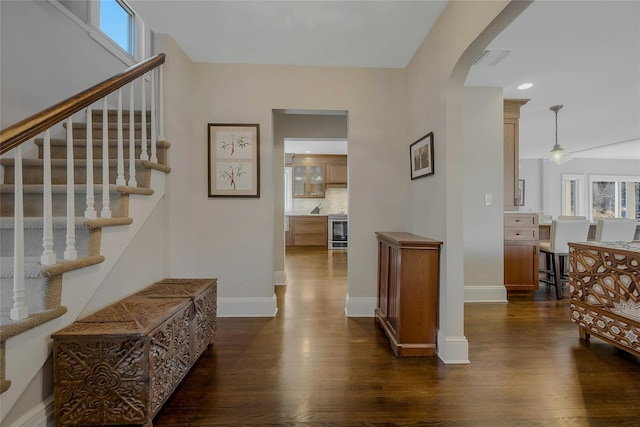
(308, 180)
(521, 253)
(337, 174)
(308, 230)
(408, 276)
(511, 152)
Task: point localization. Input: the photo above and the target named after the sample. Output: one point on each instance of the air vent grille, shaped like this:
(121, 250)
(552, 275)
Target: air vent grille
(490, 58)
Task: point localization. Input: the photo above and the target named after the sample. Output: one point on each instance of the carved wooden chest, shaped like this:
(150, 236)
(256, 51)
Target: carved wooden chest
(120, 364)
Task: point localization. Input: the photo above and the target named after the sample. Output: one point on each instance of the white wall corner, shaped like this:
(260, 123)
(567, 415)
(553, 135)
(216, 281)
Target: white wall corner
(360, 307)
(247, 307)
(453, 350)
(485, 293)
(279, 278)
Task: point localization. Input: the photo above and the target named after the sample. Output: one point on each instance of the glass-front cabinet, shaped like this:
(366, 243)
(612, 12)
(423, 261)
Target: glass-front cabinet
(308, 181)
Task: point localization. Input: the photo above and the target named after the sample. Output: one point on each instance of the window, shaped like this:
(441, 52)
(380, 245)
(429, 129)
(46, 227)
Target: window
(117, 22)
(573, 195)
(615, 197)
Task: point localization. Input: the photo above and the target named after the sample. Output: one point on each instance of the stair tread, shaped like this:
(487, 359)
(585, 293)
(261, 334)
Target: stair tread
(98, 141)
(61, 222)
(79, 188)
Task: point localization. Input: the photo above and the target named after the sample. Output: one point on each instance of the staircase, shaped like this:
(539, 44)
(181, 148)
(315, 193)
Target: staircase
(57, 294)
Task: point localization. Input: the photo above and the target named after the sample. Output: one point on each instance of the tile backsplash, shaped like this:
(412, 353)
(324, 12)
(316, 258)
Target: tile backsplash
(336, 200)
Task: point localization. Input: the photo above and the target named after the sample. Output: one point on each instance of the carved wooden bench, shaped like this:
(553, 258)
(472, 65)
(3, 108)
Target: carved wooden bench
(120, 364)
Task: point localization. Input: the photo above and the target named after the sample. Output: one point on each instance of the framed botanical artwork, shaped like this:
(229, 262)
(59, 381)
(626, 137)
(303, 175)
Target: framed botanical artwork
(521, 192)
(421, 153)
(234, 160)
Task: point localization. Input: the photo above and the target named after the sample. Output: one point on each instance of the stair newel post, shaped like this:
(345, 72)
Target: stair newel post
(161, 137)
(120, 167)
(70, 253)
(48, 257)
(106, 210)
(132, 140)
(154, 124)
(143, 108)
(19, 310)
(90, 211)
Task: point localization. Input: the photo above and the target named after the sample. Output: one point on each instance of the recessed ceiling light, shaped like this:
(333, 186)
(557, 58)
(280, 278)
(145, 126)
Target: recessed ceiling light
(524, 86)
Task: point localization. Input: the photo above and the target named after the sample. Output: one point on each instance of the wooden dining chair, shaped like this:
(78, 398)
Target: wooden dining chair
(615, 229)
(556, 250)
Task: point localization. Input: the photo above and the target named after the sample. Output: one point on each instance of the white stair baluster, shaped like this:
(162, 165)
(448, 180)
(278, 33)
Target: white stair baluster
(106, 210)
(120, 167)
(70, 253)
(132, 141)
(19, 310)
(48, 257)
(143, 108)
(153, 158)
(161, 137)
(90, 211)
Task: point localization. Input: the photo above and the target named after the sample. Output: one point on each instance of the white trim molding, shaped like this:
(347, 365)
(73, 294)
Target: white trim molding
(453, 350)
(279, 278)
(247, 307)
(485, 293)
(360, 307)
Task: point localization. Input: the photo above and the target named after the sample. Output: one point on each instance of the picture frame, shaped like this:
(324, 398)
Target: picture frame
(521, 192)
(421, 157)
(233, 153)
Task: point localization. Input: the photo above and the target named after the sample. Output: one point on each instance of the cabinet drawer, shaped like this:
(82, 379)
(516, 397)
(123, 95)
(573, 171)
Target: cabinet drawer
(520, 234)
(310, 227)
(520, 221)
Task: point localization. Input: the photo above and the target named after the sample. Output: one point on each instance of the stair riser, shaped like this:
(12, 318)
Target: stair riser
(80, 152)
(33, 204)
(35, 292)
(33, 174)
(112, 116)
(81, 133)
(33, 242)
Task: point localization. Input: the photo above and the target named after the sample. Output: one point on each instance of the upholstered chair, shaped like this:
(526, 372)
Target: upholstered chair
(615, 229)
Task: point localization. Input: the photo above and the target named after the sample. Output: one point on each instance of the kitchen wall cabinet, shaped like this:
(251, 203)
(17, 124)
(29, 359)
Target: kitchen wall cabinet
(408, 275)
(337, 174)
(308, 230)
(314, 173)
(511, 152)
(521, 253)
(308, 180)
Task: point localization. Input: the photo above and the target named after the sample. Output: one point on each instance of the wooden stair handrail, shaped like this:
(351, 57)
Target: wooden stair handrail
(22, 131)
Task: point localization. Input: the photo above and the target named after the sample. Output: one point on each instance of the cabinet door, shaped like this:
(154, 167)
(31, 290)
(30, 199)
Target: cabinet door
(308, 181)
(316, 181)
(393, 313)
(336, 174)
(511, 161)
(383, 278)
(521, 266)
(299, 180)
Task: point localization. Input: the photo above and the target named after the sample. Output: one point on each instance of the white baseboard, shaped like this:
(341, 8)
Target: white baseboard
(485, 293)
(453, 350)
(247, 307)
(39, 416)
(279, 278)
(360, 307)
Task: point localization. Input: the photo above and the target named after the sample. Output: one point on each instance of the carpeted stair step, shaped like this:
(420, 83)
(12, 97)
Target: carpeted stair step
(33, 171)
(35, 282)
(112, 116)
(80, 131)
(33, 237)
(59, 149)
(33, 199)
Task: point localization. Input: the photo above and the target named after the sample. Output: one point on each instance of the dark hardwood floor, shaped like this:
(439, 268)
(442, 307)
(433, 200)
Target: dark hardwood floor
(312, 366)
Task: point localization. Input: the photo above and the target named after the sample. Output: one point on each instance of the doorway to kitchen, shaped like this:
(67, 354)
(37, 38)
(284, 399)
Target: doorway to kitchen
(311, 171)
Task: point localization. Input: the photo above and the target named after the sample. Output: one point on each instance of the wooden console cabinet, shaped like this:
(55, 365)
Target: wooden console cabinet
(408, 276)
(119, 365)
(521, 253)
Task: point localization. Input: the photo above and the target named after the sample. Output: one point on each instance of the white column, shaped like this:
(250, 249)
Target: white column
(154, 123)
(143, 108)
(70, 253)
(48, 257)
(120, 166)
(19, 310)
(106, 210)
(132, 141)
(90, 211)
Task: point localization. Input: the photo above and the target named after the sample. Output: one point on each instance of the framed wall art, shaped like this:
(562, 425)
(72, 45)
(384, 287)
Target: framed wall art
(421, 153)
(234, 160)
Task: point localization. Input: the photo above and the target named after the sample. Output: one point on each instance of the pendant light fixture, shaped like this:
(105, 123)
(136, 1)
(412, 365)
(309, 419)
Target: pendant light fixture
(557, 154)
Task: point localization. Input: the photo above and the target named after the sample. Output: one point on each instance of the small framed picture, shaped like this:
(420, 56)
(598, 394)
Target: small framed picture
(521, 192)
(234, 160)
(421, 153)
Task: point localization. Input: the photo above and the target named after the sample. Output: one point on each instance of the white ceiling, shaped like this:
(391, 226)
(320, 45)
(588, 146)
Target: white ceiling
(582, 54)
(315, 146)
